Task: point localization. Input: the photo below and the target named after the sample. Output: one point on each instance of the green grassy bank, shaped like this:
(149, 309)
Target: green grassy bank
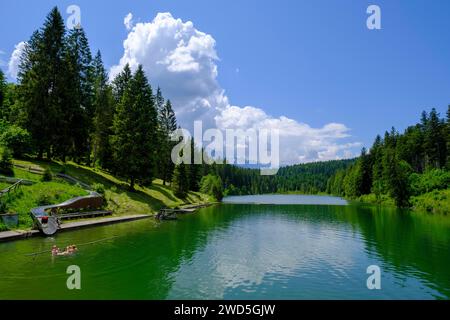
(144, 200)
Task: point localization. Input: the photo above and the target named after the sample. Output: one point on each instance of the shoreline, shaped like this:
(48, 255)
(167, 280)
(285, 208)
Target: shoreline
(6, 236)
(13, 235)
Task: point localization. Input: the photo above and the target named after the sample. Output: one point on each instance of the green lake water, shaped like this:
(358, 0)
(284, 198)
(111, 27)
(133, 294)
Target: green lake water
(236, 250)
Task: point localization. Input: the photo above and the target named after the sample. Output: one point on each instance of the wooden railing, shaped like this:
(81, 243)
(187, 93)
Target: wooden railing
(11, 188)
(31, 169)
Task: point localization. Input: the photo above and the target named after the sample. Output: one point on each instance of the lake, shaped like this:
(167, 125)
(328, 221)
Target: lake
(253, 247)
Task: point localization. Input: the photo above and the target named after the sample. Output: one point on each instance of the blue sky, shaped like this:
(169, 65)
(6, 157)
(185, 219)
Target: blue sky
(311, 61)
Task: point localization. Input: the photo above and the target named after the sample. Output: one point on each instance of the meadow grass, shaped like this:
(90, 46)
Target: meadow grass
(120, 200)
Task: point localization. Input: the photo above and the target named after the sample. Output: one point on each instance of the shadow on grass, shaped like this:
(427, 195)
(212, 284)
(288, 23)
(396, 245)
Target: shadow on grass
(91, 177)
(164, 191)
(112, 183)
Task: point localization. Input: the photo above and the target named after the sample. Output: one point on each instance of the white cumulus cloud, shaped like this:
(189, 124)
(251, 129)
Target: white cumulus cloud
(183, 62)
(128, 21)
(14, 61)
(179, 59)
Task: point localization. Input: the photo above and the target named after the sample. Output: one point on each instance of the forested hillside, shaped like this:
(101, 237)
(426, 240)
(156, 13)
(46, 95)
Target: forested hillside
(402, 166)
(310, 178)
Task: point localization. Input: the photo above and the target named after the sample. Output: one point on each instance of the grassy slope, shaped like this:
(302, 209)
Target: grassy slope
(145, 200)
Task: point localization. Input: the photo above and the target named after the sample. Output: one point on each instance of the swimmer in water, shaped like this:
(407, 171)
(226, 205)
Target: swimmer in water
(68, 251)
(55, 250)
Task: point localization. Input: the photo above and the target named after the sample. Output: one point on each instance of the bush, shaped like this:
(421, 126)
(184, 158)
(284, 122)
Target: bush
(15, 138)
(44, 199)
(63, 169)
(99, 188)
(47, 175)
(3, 207)
(435, 179)
(6, 165)
(212, 185)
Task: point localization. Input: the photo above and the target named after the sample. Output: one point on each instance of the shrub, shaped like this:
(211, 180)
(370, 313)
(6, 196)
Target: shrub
(435, 179)
(3, 207)
(99, 188)
(47, 175)
(43, 200)
(6, 165)
(15, 138)
(212, 185)
(63, 169)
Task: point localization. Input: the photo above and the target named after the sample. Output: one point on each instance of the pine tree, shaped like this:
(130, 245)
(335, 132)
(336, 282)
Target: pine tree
(103, 104)
(180, 183)
(435, 141)
(167, 125)
(377, 170)
(395, 172)
(135, 124)
(159, 99)
(42, 82)
(163, 139)
(2, 90)
(81, 112)
(194, 170)
(365, 172)
(121, 83)
(448, 138)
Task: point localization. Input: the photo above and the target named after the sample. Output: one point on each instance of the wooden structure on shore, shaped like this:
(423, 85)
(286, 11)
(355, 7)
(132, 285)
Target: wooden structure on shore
(47, 218)
(171, 214)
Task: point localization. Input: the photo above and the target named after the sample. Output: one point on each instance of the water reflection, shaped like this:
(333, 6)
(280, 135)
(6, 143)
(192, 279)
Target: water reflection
(243, 251)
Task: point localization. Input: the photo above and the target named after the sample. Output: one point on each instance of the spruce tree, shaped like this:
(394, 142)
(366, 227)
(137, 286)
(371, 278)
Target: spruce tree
(42, 84)
(180, 183)
(2, 89)
(435, 141)
(377, 169)
(395, 172)
(135, 124)
(103, 104)
(194, 169)
(365, 172)
(81, 112)
(448, 138)
(167, 125)
(121, 83)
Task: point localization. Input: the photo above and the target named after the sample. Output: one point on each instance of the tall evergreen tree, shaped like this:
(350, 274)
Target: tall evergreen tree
(135, 126)
(103, 115)
(435, 141)
(180, 182)
(79, 109)
(396, 177)
(448, 138)
(365, 172)
(159, 99)
(2, 89)
(167, 125)
(194, 169)
(377, 170)
(42, 86)
(121, 83)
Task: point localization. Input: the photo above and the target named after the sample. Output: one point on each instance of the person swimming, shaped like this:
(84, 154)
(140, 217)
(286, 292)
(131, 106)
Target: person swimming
(71, 249)
(55, 250)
